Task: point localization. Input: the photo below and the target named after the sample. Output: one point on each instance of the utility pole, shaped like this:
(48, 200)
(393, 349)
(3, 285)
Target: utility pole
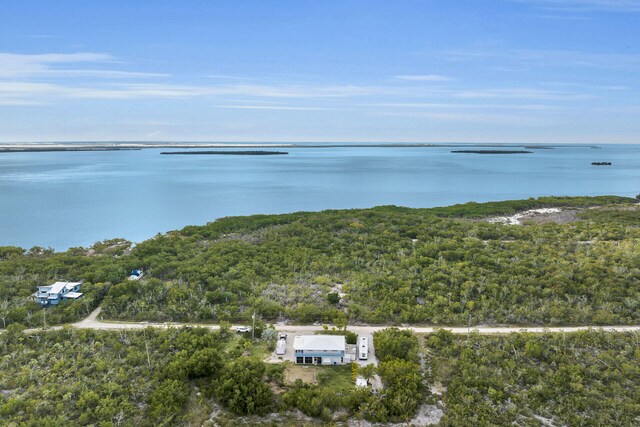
(253, 328)
(44, 317)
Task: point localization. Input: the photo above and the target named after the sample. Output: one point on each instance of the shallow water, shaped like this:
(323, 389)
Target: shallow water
(65, 199)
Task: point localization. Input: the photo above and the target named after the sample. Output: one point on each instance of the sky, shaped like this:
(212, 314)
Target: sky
(511, 71)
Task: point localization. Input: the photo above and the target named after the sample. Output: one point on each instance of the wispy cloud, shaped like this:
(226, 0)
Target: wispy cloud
(106, 74)
(275, 107)
(465, 117)
(424, 78)
(524, 93)
(23, 93)
(615, 88)
(51, 78)
(24, 66)
(299, 91)
(262, 97)
(586, 5)
(551, 58)
(28, 79)
(468, 106)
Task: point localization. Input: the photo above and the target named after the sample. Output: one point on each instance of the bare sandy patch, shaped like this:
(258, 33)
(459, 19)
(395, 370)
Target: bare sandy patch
(538, 216)
(306, 374)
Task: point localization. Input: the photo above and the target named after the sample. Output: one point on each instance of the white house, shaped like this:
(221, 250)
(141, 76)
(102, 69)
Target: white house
(320, 349)
(53, 294)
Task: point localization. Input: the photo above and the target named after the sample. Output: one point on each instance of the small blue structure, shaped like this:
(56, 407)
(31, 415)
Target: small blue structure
(53, 294)
(136, 274)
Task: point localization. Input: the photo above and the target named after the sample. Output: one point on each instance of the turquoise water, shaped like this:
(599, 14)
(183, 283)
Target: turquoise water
(66, 199)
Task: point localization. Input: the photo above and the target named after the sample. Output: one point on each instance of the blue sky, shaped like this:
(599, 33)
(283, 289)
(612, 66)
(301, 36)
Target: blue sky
(549, 71)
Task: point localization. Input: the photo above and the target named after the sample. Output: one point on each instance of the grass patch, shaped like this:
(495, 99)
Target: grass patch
(306, 374)
(336, 378)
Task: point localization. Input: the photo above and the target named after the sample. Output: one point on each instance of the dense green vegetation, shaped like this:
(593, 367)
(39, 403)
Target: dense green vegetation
(385, 264)
(399, 370)
(393, 343)
(82, 377)
(242, 388)
(148, 378)
(174, 377)
(333, 394)
(586, 378)
(22, 271)
(508, 207)
(182, 376)
(393, 265)
(629, 217)
(380, 265)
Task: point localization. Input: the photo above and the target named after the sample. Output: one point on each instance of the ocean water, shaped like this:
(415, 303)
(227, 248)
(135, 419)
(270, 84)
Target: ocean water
(67, 199)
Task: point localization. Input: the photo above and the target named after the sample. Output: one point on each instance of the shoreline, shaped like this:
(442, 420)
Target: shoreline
(46, 147)
(25, 147)
(43, 148)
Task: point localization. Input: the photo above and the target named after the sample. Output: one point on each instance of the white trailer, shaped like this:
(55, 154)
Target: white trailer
(363, 348)
(281, 347)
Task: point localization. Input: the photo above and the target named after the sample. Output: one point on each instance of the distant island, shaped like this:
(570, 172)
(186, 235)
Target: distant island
(493, 151)
(600, 163)
(228, 153)
(109, 146)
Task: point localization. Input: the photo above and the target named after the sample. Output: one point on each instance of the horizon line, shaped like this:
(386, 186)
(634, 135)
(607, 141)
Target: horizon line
(305, 142)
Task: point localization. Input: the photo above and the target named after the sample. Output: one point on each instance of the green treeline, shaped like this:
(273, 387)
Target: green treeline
(581, 379)
(400, 372)
(176, 377)
(393, 265)
(22, 271)
(508, 207)
(191, 376)
(148, 378)
(382, 265)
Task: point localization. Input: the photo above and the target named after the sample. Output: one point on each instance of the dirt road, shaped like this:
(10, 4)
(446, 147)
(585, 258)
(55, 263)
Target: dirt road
(92, 322)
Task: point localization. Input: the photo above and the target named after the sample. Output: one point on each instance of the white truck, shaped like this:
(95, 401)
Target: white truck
(281, 346)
